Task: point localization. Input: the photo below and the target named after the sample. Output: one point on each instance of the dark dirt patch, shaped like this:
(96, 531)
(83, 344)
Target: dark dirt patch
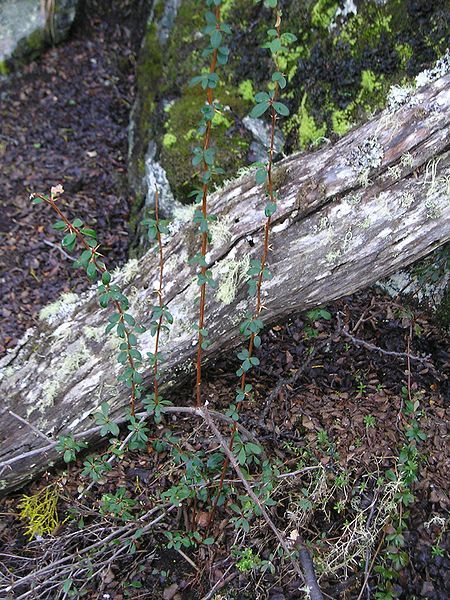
(64, 119)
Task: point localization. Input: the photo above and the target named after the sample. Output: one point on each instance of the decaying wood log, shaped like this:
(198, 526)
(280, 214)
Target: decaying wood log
(348, 215)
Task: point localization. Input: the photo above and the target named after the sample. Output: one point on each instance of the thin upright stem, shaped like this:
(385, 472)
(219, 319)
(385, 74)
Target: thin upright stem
(204, 237)
(102, 269)
(264, 257)
(160, 297)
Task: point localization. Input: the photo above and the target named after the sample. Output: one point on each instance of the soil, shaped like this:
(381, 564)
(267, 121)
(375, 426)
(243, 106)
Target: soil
(64, 120)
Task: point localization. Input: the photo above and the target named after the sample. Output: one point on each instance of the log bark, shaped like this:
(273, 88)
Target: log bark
(348, 215)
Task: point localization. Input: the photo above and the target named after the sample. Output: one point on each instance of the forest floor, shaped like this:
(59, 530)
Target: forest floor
(340, 412)
(64, 119)
(335, 428)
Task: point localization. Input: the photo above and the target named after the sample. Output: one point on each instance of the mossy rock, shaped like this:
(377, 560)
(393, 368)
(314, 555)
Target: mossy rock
(230, 139)
(339, 72)
(425, 283)
(25, 31)
(346, 69)
(143, 122)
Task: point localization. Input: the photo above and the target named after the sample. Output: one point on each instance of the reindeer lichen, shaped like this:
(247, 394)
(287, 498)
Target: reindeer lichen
(394, 172)
(406, 200)
(332, 256)
(407, 160)
(365, 224)
(231, 274)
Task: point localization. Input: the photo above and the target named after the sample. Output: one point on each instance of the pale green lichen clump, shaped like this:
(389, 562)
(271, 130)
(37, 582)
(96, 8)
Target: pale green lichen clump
(184, 213)
(94, 333)
(232, 274)
(220, 231)
(63, 307)
(129, 270)
(366, 157)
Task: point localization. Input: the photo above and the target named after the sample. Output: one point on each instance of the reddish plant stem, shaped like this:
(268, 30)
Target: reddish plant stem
(102, 270)
(160, 296)
(259, 305)
(204, 243)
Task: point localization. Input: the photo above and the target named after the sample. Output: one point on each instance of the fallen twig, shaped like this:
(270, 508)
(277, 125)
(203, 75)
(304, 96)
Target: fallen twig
(32, 427)
(59, 568)
(229, 454)
(63, 252)
(314, 592)
(221, 583)
(373, 348)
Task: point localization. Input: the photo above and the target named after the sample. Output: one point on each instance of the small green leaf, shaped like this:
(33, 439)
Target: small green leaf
(89, 233)
(68, 240)
(288, 38)
(210, 18)
(208, 156)
(59, 225)
(129, 319)
(279, 77)
(261, 176)
(262, 97)
(197, 79)
(91, 270)
(270, 209)
(259, 109)
(281, 109)
(216, 38)
(208, 541)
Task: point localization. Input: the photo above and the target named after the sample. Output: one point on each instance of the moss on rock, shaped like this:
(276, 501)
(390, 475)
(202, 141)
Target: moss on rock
(347, 69)
(181, 136)
(340, 70)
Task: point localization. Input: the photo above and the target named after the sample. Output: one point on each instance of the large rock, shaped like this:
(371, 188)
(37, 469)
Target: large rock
(144, 169)
(27, 27)
(347, 57)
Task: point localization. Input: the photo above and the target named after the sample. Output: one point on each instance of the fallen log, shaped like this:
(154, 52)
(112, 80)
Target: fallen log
(348, 215)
